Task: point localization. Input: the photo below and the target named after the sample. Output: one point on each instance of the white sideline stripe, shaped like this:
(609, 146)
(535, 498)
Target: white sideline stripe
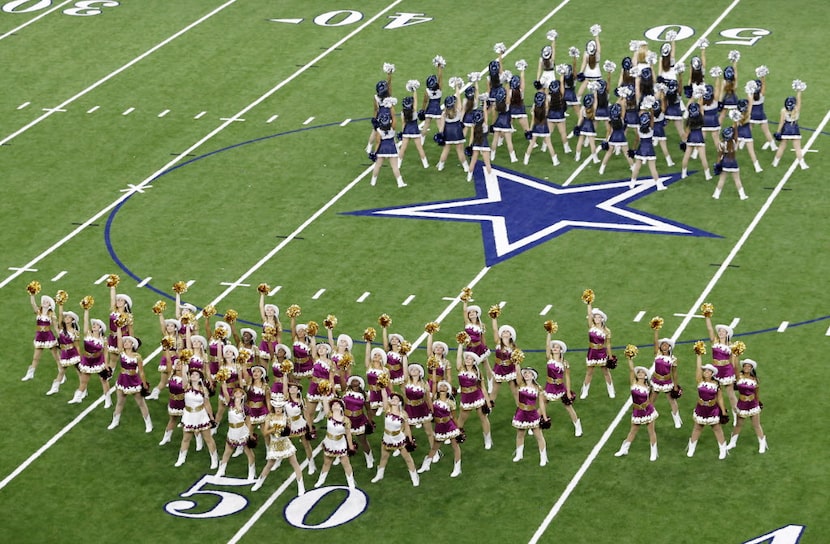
(688, 317)
(33, 19)
(271, 119)
(128, 111)
(23, 105)
(639, 316)
(116, 72)
(827, 333)
(165, 112)
(318, 294)
(546, 309)
(200, 115)
(274, 290)
(92, 109)
(783, 326)
(100, 280)
(346, 122)
(409, 299)
(363, 297)
(60, 274)
(307, 121)
(145, 281)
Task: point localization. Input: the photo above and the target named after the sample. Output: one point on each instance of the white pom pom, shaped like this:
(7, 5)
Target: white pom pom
(456, 82)
(751, 87)
(698, 91)
(551, 35)
(660, 88)
(388, 68)
(474, 76)
(651, 58)
(702, 43)
(521, 65)
(799, 85)
(412, 85)
(647, 102)
(593, 86)
(483, 97)
(499, 48)
(624, 91)
(734, 56)
(761, 71)
(506, 76)
(671, 35)
(595, 30)
(635, 71)
(439, 61)
(389, 101)
(609, 66)
(573, 52)
(679, 67)
(735, 115)
(716, 71)
(633, 45)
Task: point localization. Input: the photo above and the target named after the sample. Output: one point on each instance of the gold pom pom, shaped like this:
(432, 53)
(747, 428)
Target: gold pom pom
(87, 302)
(219, 333)
(346, 360)
(707, 308)
(631, 351)
(286, 366)
(700, 347)
(462, 338)
(383, 380)
(312, 328)
(180, 287)
(269, 333)
(293, 311)
(738, 348)
(263, 288)
(61, 297)
(656, 323)
(551, 326)
(186, 318)
(324, 387)
(406, 347)
(494, 311)
(384, 320)
(231, 315)
(209, 311)
(223, 374)
(432, 327)
(121, 320)
(588, 296)
(369, 334)
(113, 280)
(168, 343)
(33, 287)
(330, 321)
(186, 354)
(433, 363)
(518, 356)
(243, 357)
(466, 294)
(159, 307)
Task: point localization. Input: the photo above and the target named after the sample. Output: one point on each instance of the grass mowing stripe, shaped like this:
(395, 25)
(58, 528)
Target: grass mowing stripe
(118, 71)
(33, 19)
(688, 317)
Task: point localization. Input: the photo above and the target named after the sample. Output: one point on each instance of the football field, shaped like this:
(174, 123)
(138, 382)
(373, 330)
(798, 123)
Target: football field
(222, 143)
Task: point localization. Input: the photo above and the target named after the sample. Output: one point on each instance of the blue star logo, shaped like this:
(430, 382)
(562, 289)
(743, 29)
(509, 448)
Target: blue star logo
(518, 212)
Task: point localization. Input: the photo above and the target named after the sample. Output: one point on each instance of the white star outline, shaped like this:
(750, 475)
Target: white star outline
(498, 227)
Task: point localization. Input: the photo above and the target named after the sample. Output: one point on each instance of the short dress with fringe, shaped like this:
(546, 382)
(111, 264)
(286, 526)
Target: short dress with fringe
(335, 443)
(643, 411)
(175, 398)
(129, 382)
(555, 380)
(597, 354)
(256, 405)
(416, 407)
(354, 403)
(527, 413)
(472, 397)
(279, 447)
(44, 336)
(477, 344)
(297, 423)
(445, 427)
(92, 361)
(237, 429)
(721, 358)
(504, 369)
(661, 380)
(69, 355)
(394, 364)
(394, 437)
(748, 404)
(707, 411)
(194, 418)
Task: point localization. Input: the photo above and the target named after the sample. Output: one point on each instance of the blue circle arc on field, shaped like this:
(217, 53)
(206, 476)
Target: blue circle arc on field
(520, 222)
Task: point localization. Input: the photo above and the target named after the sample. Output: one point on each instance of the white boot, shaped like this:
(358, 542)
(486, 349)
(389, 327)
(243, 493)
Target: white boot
(775, 162)
(610, 387)
(722, 451)
(301, 487)
(578, 427)
(166, 438)
(803, 164)
(214, 459)
(543, 457)
(440, 165)
(684, 173)
(311, 466)
(677, 421)
(425, 465)
(370, 459)
(350, 480)
(107, 401)
(694, 153)
(742, 194)
(154, 394)
(238, 451)
(601, 169)
(116, 419)
(30, 373)
(594, 158)
(469, 176)
(148, 424)
(56, 386)
(321, 479)
(379, 476)
(513, 157)
(456, 470)
(584, 394)
(252, 472)
(76, 398)
(716, 194)
(669, 161)
(200, 442)
(757, 166)
(416, 480)
(733, 442)
(653, 456)
(400, 182)
(567, 147)
(466, 166)
(555, 160)
(258, 484)
(762, 444)
(437, 456)
(577, 155)
(373, 181)
(488, 441)
(425, 162)
(623, 449)
(690, 449)
(221, 471)
(182, 458)
(660, 186)
(526, 160)
(707, 175)
(519, 454)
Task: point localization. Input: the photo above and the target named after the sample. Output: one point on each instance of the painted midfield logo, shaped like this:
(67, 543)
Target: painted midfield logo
(518, 212)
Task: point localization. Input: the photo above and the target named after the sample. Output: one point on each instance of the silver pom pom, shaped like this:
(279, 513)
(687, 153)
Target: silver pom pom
(651, 58)
(647, 102)
(456, 82)
(751, 87)
(660, 88)
(671, 35)
(799, 85)
(609, 66)
(716, 71)
(634, 45)
(761, 71)
(562, 69)
(483, 97)
(388, 68)
(573, 52)
(474, 76)
(521, 65)
(698, 91)
(439, 61)
(595, 30)
(499, 48)
(702, 43)
(506, 76)
(635, 71)
(734, 56)
(679, 67)
(389, 102)
(551, 35)
(735, 115)
(593, 86)
(624, 91)
(412, 85)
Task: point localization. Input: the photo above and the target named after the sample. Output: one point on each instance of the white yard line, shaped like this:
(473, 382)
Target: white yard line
(688, 317)
(34, 19)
